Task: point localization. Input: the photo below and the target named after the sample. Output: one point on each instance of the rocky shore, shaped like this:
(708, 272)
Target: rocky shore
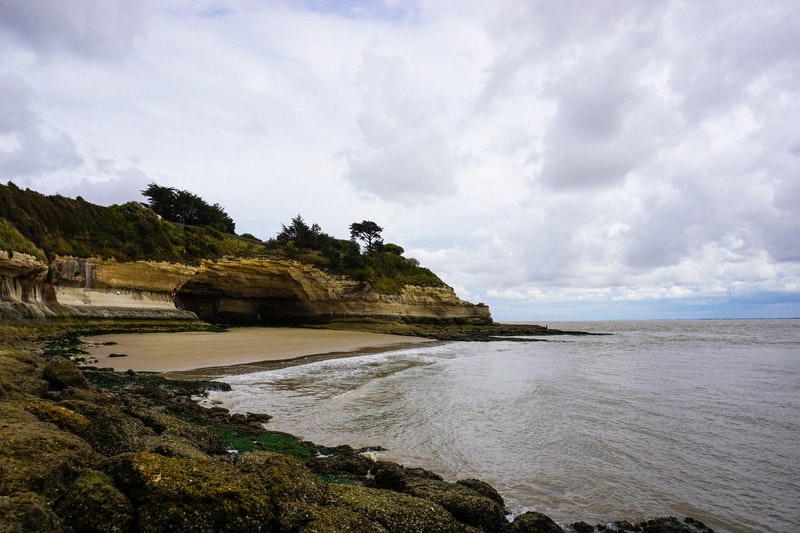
(87, 449)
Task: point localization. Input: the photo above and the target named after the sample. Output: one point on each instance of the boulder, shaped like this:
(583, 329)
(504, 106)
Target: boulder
(60, 416)
(344, 462)
(284, 478)
(170, 446)
(173, 429)
(388, 475)
(112, 432)
(61, 373)
(27, 512)
(201, 495)
(398, 513)
(484, 489)
(670, 524)
(464, 503)
(310, 518)
(534, 522)
(95, 505)
(38, 457)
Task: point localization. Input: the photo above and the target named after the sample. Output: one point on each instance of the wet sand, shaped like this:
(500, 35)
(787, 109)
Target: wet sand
(207, 354)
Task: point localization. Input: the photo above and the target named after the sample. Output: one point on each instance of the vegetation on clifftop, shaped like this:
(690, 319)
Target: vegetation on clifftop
(179, 226)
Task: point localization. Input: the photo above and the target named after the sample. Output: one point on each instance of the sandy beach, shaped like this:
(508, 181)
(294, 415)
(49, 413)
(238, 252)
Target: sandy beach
(217, 353)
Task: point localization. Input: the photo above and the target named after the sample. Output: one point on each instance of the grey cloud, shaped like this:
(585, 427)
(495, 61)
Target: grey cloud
(588, 60)
(377, 9)
(725, 47)
(406, 170)
(577, 165)
(121, 185)
(405, 157)
(29, 148)
(93, 28)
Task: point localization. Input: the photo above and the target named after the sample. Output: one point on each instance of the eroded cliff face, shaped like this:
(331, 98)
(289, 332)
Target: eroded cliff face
(23, 291)
(254, 291)
(283, 291)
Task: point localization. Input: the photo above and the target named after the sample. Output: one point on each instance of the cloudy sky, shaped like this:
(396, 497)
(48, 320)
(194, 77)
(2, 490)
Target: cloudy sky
(553, 159)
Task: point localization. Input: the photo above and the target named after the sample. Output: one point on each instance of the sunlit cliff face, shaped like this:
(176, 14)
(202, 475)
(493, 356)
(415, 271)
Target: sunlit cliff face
(247, 291)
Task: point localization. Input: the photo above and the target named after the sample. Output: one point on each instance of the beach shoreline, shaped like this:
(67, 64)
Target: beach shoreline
(207, 354)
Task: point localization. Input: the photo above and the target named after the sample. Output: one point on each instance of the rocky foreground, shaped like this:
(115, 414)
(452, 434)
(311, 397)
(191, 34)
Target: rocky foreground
(94, 450)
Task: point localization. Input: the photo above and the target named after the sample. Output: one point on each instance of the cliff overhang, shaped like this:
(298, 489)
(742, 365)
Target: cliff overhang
(234, 291)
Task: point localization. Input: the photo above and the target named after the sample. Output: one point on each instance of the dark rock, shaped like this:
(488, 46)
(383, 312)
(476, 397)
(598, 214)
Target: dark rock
(173, 429)
(201, 495)
(398, 513)
(465, 504)
(61, 373)
(422, 473)
(624, 525)
(169, 446)
(345, 463)
(582, 527)
(38, 457)
(112, 432)
(698, 525)
(60, 416)
(483, 488)
(310, 518)
(387, 475)
(27, 512)
(284, 478)
(534, 522)
(95, 505)
(669, 524)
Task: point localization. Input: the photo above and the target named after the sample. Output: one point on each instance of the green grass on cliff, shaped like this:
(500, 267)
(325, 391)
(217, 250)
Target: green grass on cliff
(12, 240)
(42, 225)
(127, 232)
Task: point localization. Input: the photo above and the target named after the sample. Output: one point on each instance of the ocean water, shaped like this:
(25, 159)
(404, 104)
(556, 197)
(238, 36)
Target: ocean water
(681, 418)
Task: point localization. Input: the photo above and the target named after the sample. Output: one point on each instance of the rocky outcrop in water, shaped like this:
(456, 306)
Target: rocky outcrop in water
(249, 291)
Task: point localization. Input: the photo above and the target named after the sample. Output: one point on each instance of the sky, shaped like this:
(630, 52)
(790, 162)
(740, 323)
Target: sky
(556, 160)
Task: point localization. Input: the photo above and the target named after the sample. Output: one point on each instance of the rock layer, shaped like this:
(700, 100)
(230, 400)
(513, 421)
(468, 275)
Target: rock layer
(255, 291)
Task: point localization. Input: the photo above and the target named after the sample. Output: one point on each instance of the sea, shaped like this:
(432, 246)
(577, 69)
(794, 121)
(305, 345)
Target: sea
(680, 418)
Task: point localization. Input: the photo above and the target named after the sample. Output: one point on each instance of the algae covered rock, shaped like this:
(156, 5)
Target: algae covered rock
(201, 495)
(464, 503)
(471, 502)
(112, 432)
(397, 512)
(534, 522)
(310, 518)
(484, 489)
(283, 477)
(27, 512)
(388, 475)
(36, 456)
(170, 446)
(61, 373)
(60, 416)
(342, 461)
(94, 504)
(172, 429)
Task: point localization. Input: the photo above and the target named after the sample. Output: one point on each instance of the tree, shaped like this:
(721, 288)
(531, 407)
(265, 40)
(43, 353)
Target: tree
(298, 233)
(187, 208)
(368, 232)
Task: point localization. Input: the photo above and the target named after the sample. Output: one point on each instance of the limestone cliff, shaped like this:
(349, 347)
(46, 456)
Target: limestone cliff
(22, 286)
(255, 291)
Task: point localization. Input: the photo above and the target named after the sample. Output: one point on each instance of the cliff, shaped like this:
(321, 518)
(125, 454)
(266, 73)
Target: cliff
(65, 257)
(245, 291)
